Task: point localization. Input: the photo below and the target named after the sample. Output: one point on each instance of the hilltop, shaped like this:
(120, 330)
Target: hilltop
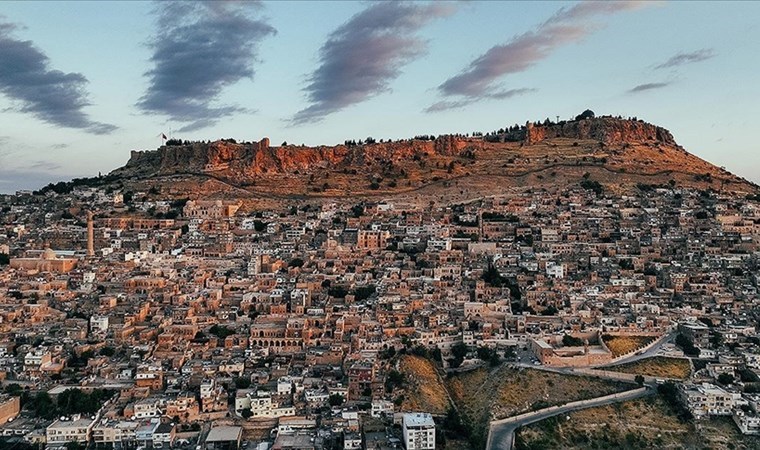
(614, 153)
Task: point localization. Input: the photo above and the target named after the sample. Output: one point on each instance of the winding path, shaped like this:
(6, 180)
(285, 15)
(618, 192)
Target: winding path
(501, 433)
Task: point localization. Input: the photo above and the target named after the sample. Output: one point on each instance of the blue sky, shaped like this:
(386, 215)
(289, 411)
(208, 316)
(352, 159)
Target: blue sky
(83, 83)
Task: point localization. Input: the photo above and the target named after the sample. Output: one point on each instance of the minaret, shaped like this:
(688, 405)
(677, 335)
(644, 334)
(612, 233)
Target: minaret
(90, 236)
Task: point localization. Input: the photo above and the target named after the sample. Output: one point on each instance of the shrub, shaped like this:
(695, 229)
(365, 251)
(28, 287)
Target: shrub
(570, 341)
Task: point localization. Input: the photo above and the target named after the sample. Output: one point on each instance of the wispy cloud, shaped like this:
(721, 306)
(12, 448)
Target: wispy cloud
(49, 95)
(648, 87)
(45, 166)
(682, 58)
(445, 105)
(362, 56)
(198, 50)
(568, 25)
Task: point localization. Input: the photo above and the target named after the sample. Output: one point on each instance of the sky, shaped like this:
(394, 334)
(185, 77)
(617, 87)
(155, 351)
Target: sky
(84, 83)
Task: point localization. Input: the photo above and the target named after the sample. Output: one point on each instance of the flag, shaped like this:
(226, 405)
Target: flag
(163, 136)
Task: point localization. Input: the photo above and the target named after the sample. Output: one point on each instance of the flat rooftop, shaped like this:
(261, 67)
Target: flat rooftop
(418, 420)
(224, 434)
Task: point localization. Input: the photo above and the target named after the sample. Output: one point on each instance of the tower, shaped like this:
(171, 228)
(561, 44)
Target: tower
(90, 235)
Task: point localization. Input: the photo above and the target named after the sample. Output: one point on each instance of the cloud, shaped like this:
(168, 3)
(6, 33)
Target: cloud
(46, 166)
(35, 88)
(648, 87)
(362, 56)
(568, 25)
(681, 59)
(198, 50)
(445, 105)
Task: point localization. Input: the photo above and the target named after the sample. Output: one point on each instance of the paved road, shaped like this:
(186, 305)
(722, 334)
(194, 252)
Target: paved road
(501, 434)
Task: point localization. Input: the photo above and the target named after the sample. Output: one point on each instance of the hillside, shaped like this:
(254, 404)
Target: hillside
(618, 153)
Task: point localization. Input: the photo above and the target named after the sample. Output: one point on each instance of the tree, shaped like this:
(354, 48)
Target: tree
(592, 185)
(246, 413)
(725, 379)
(296, 262)
(570, 341)
(259, 226)
(625, 264)
(337, 291)
(221, 331)
(686, 345)
(639, 380)
(388, 353)
(669, 392)
(484, 353)
(452, 424)
(436, 355)
(4, 259)
(748, 376)
(459, 350)
(335, 400)
(702, 215)
(364, 292)
(493, 277)
(551, 310)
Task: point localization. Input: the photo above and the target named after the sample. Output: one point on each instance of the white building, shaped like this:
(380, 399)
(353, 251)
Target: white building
(260, 404)
(114, 432)
(147, 407)
(381, 407)
(747, 424)
(65, 431)
(709, 400)
(98, 324)
(419, 431)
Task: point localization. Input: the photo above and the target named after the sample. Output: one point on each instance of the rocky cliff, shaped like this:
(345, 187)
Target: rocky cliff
(258, 158)
(604, 129)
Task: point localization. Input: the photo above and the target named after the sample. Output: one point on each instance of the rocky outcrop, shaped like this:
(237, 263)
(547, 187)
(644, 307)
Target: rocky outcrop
(604, 129)
(256, 158)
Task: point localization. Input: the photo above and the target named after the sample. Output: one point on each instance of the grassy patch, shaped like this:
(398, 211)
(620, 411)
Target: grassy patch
(423, 390)
(484, 395)
(622, 345)
(721, 433)
(645, 423)
(637, 424)
(657, 366)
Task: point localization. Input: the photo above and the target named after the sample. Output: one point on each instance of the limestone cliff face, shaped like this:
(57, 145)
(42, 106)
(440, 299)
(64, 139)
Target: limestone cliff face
(604, 129)
(251, 159)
